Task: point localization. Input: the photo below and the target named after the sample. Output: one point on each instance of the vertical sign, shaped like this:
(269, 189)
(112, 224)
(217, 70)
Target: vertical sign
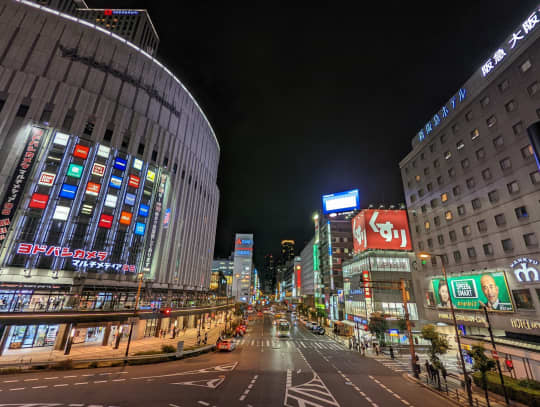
(154, 227)
(15, 187)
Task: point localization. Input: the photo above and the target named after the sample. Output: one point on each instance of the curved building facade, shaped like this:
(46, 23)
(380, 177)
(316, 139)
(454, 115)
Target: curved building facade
(108, 165)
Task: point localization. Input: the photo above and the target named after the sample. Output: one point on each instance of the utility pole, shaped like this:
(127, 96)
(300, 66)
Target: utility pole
(405, 296)
(497, 358)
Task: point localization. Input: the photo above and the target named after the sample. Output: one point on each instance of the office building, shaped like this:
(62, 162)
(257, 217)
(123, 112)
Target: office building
(243, 267)
(307, 275)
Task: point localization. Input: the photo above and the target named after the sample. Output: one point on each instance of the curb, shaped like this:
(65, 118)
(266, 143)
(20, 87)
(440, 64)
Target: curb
(411, 379)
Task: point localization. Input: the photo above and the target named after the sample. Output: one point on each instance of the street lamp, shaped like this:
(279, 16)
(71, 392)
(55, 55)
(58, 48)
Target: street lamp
(426, 256)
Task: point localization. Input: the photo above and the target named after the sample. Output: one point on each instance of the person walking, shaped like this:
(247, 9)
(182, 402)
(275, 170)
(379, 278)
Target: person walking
(377, 349)
(205, 338)
(363, 350)
(350, 343)
(392, 352)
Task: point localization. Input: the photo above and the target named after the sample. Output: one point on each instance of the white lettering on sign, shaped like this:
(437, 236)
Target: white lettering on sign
(387, 231)
(523, 270)
(524, 323)
(359, 232)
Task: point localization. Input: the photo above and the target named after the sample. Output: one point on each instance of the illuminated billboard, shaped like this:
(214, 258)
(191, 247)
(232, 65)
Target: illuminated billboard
(473, 291)
(88, 198)
(381, 229)
(341, 201)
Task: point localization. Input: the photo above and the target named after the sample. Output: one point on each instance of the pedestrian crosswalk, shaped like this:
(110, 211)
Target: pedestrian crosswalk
(288, 343)
(395, 364)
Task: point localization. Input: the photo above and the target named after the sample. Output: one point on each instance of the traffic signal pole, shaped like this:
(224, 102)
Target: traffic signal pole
(405, 296)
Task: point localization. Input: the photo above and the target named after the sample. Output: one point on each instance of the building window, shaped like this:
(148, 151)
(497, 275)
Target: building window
(525, 66)
(413, 198)
(443, 138)
(444, 259)
(513, 187)
(471, 183)
(423, 208)
(420, 245)
(480, 153)
(440, 180)
(422, 156)
(527, 152)
(417, 178)
(466, 230)
(452, 172)
(430, 244)
(482, 226)
(498, 142)
(510, 106)
(465, 163)
(453, 235)
(414, 163)
(448, 215)
(460, 145)
(108, 135)
(433, 203)
(165, 161)
(505, 163)
(488, 249)
(486, 174)
(471, 252)
(535, 177)
(504, 85)
(175, 167)
(523, 298)
(533, 88)
(455, 128)
(426, 171)
(429, 186)
(125, 141)
(440, 239)
(22, 111)
(457, 256)
(432, 148)
(521, 212)
(530, 239)
(456, 190)
(447, 155)
(420, 192)
(484, 101)
(433, 260)
(154, 155)
(491, 121)
(500, 219)
(493, 196)
(436, 163)
(437, 220)
(518, 128)
(444, 197)
(461, 210)
(469, 115)
(475, 134)
(507, 245)
(476, 203)
(427, 225)
(140, 149)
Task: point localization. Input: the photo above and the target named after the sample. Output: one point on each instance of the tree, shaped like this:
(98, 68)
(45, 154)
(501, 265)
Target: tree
(438, 346)
(321, 314)
(482, 364)
(377, 325)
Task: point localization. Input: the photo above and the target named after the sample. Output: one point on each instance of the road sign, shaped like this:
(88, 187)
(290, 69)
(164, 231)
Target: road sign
(495, 354)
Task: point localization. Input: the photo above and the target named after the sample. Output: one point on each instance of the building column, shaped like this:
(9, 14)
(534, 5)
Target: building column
(61, 337)
(5, 330)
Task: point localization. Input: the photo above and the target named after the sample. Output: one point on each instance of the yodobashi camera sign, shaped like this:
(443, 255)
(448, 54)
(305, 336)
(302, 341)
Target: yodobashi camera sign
(473, 292)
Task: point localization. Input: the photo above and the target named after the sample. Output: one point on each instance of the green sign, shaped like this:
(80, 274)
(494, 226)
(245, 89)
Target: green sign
(474, 291)
(75, 170)
(315, 257)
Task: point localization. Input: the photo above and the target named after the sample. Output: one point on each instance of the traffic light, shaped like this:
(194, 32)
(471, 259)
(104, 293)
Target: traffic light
(509, 364)
(166, 312)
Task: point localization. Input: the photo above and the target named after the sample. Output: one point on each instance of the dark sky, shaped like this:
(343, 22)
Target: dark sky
(318, 99)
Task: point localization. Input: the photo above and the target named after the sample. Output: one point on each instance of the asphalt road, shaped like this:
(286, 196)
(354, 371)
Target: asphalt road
(304, 370)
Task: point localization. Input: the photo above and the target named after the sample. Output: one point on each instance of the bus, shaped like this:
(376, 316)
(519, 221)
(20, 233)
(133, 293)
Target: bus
(283, 328)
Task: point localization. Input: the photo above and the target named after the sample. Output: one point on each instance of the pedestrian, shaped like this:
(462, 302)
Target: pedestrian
(350, 343)
(391, 352)
(174, 333)
(205, 338)
(428, 370)
(377, 349)
(444, 373)
(363, 350)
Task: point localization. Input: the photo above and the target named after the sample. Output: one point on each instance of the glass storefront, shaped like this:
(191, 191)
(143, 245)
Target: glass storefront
(90, 336)
(151, 327)
(32, 336)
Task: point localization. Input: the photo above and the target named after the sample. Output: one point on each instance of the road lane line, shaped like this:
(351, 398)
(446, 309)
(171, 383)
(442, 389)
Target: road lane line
(119, 380)
(51, 378)
(17, 388)
(40, 387)
(100, 381)
(204, 403)
(30, 380)
(78, 384)
(61, 385)
(10, 381)
(66, 377)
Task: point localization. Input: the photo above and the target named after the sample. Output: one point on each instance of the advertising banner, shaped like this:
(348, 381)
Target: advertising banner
(341, 201)
(474, 291)
(15, 187)
(381, 229)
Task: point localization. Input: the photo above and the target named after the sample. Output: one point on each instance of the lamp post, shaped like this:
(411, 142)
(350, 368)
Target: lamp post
(425, 256)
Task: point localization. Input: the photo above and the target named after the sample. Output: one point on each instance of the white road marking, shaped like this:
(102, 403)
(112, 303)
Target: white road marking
(78, 384)
(76, 405)
(40, 387)
(51, 378)
(118, 380)
(17, 388)
(67, 377)
(61, 385)
(100, 381)
(30, 380)
(204, 403)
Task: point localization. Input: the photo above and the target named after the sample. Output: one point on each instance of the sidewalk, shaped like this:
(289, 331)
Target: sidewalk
(89, 352)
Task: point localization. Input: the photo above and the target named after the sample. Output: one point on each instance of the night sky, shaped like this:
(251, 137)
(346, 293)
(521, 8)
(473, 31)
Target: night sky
(318, 99)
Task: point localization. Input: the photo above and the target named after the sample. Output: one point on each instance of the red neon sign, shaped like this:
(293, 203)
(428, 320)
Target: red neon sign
(81, 151)
(134, 181)
(105, 221)
(38, 201)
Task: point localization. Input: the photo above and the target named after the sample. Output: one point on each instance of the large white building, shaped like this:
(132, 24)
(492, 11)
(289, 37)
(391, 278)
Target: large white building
(243, 267)
(472, 188)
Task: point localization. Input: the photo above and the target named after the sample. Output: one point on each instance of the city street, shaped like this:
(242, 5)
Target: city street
(304, 370)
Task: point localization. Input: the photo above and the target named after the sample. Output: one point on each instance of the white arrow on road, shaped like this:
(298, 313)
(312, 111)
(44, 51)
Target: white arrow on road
(208, 383)
(214, 369)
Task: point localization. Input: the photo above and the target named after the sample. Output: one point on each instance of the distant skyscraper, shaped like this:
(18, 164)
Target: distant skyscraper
(269, 274)
(243, 265)
(287, 250)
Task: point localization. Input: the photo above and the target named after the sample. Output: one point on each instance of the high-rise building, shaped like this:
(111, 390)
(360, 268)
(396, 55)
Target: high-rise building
(243, 267)
(287, 250)
(134, 25)
(225, 267)
(98, 184)
(307, 283)
(268, 277)
(473, 189)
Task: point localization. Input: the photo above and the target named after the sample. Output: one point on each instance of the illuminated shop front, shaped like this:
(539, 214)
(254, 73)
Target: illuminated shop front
(31, 336)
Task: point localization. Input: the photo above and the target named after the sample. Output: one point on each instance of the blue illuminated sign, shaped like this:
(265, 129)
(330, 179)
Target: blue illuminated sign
(442, 114)
(116, 182)
(120, 163)
(242, 253)
(140, 228)
(143, 210)
(68, 191)
(130, 199)
(341, 201)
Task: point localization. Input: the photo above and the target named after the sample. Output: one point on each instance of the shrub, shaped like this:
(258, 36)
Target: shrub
(168, 349)
(526, 395)
(63, 365)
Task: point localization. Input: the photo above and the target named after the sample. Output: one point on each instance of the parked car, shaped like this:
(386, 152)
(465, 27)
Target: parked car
(319, 330)
(227, 345)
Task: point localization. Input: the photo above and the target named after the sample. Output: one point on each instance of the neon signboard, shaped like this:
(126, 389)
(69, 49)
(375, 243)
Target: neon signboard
(116, 182)
(134, 181)
(125, 218)
(81, 151)
(130, 199)
(98, 169)
(75, 170)
(38, 201)
(140, 228)
(68, 191)
(143, 210)
(341, 201)
(93, 189)
(105, 221)
(61, 212)
(103, 151)
(46, 179)
(110, 200)
(120, 164)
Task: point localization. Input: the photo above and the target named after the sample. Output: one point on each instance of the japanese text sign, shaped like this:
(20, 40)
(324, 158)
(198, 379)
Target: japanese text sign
(381, 229)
